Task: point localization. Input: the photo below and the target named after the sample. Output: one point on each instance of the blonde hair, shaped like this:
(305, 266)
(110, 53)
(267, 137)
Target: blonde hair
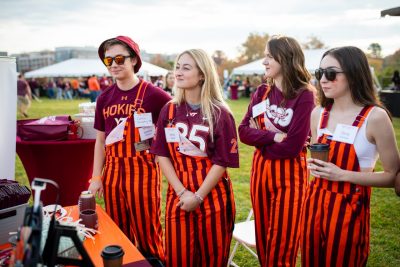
(211, 90)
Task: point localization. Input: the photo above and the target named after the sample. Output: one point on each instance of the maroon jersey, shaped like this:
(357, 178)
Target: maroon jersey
(222, 151)
(114, 104)
(291, 116)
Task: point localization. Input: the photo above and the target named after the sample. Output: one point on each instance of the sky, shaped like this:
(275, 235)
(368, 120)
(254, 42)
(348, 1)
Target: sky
(171, 26)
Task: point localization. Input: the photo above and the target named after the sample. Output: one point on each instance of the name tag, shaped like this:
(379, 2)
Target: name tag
(142, 145)
(143, 120)
(172, 135)
(345, 133)
(259, 108)
(147, 132)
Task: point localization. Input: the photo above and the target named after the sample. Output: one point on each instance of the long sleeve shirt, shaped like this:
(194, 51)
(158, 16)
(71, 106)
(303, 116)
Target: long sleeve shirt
(291, 116)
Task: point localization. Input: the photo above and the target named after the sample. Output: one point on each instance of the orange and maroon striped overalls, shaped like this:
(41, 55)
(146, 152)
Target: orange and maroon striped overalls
(201, 237)
(132, 188)
(336, 214)
(277, 193)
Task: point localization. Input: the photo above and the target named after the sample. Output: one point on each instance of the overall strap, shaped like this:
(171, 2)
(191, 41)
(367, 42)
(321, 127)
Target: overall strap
(266, 93)
(358, 122)
(325, 116)
(140, 96)
(171, 112)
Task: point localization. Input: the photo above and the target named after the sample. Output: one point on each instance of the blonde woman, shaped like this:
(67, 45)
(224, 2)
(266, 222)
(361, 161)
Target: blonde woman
(195, 142)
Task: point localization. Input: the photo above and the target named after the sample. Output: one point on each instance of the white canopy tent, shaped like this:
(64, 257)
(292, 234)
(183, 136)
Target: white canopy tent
(312, 60)
(77, 67)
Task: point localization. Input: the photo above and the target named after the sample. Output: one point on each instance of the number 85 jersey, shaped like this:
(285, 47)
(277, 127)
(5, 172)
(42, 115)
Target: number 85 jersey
(193, 127)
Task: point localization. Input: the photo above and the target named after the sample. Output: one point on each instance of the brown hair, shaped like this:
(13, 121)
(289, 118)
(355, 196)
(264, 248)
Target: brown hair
(115, 41)
(287, 52)
(355, 66)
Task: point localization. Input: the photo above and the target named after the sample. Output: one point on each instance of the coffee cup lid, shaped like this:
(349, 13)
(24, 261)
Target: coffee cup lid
(319, 147)
(112, 252)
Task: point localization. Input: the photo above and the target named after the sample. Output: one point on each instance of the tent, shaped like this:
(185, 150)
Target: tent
(312, 57)
(312, 60)
(77, 67)
(391, 12)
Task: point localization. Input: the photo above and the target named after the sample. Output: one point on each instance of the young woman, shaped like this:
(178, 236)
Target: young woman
(195, 142)
(277, 123)
(123, 168)
(335, 218)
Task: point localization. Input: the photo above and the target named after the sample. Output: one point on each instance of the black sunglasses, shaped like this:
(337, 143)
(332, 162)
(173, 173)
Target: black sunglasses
(119, 59)
(330, 74)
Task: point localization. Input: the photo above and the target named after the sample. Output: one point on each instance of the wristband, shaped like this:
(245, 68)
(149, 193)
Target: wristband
(95, 178)
(198, 197)
(179, 194)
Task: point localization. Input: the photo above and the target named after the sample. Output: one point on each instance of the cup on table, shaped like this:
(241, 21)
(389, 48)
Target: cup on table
(320, 151)
(112, 256)
(89, 219)
(86, 201)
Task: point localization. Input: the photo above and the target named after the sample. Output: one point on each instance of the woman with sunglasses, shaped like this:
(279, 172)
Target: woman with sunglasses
(195, 142)
(335, 221)
(277, 124)
(123, 167)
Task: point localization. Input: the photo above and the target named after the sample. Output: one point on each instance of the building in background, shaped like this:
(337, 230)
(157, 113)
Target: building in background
(3, 54)
(68, 52)
(34, 60)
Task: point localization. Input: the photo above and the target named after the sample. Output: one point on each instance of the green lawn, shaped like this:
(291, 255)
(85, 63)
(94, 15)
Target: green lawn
(385, 205)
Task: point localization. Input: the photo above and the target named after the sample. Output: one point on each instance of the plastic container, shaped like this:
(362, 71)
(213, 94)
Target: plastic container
(87, 124)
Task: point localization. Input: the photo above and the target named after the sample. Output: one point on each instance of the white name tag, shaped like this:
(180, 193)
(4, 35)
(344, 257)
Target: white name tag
(345, 133)
(143, 120)
(259, 108)
(172, 135)
(147, 132)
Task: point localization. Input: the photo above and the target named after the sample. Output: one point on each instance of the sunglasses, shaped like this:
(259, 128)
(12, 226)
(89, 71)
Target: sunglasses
(119, 60)
(330, 74)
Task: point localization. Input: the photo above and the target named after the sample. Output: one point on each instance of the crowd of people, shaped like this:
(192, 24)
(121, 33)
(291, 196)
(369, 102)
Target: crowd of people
(191, 138)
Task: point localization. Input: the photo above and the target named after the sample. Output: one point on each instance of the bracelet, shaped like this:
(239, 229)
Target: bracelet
(198, 197)
(95, 179)
(179, 194)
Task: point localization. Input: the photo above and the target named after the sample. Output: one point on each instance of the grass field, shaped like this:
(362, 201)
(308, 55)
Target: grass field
(385, 205)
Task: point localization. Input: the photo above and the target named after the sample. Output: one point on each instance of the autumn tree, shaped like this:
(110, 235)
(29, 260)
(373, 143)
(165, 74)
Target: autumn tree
(313, 43)
(159, 60)
(254, 46)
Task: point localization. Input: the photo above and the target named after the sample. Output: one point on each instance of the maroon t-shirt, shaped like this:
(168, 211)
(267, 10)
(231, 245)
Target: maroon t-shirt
(222, 151)
(114, 104)
(22, 88)
(292, 117)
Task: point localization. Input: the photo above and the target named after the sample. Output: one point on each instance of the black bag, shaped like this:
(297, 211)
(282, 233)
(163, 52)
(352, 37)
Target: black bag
(13, 194)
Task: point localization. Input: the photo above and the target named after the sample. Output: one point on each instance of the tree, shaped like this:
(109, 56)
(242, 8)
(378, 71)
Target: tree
(375, 50)
(219, 57)
(313, 43)
(254, 46)
(159, 60)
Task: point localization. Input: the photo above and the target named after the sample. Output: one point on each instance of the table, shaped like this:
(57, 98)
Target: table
(110, 234)
(69, 163)
(391, 100)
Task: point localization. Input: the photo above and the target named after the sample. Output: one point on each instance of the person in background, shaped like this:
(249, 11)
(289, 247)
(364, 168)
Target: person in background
(75, 87)
(24, 96)
(35, 88)
(335, 222)
(159, 82)
(396, 80)
(94, 88)
(195, 142)
(123, 168)
(277, 124)
(169, 82)
(247, 87)
(104, 82)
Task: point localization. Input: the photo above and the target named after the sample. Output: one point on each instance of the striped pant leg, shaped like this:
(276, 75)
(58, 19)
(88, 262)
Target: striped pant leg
(277, 194)
(335, 231)
(114, 198)
(214, 226)
(179, 234)
(142, 185)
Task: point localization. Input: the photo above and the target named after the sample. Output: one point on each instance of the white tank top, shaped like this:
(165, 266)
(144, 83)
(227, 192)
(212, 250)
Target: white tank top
(366, 151)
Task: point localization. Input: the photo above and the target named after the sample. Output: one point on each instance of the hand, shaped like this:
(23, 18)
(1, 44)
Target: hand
(96, 187)
(326, 170)
(279, 137)
(254, 124)
(188, 202)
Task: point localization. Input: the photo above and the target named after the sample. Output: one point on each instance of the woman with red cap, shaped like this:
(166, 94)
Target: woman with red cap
(124, 170)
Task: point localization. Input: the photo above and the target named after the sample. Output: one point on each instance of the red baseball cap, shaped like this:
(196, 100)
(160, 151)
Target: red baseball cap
(130, 43)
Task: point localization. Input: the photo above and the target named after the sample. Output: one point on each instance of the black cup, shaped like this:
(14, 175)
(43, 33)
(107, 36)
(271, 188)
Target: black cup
(320, 151)
(112, 256)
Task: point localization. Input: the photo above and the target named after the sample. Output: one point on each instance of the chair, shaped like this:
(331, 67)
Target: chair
(245, 235)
